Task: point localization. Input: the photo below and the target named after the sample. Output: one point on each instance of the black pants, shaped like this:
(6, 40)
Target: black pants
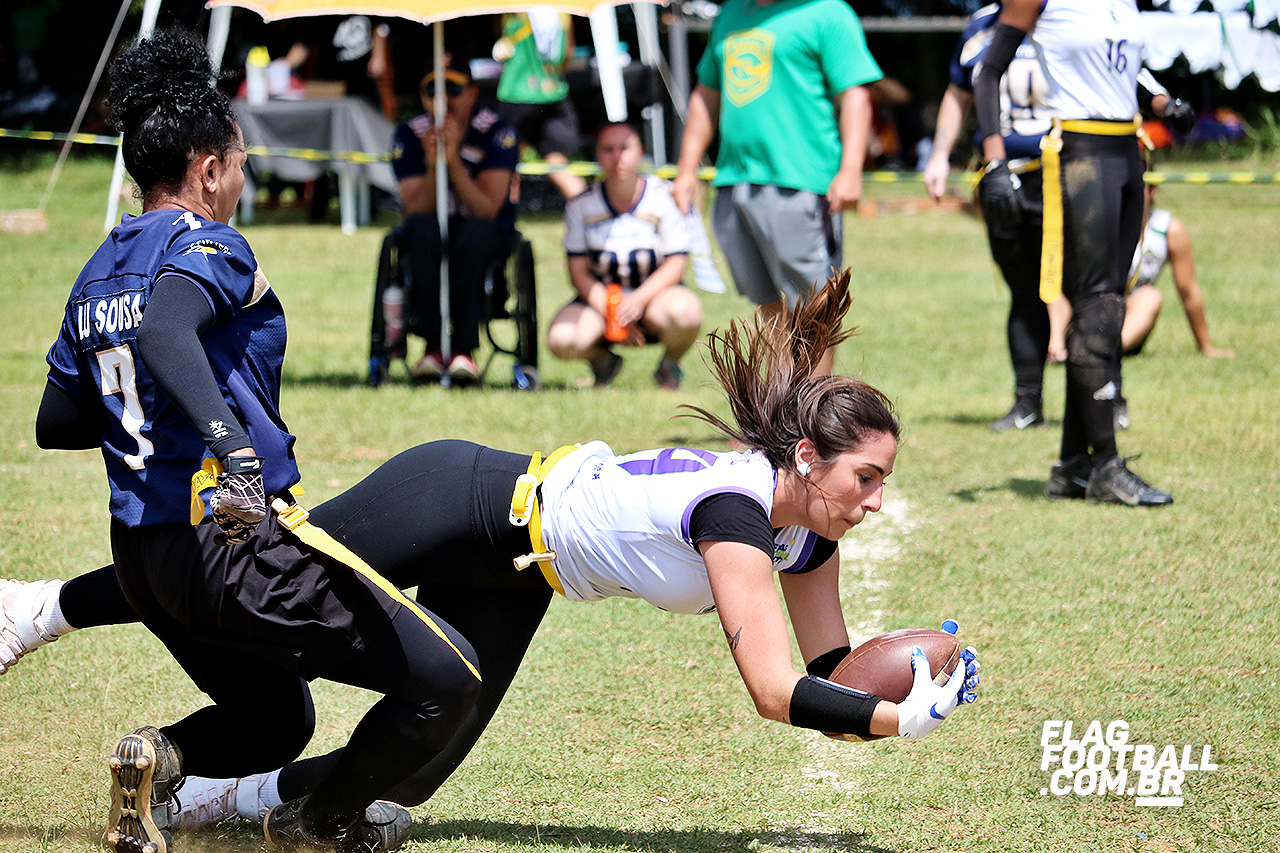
(437, 516)
(252, 623)
(474, 246)
(434, 516)
(1017, 252)
(1102, 199)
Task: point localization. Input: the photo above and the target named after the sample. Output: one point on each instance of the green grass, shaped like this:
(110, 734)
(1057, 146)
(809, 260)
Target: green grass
(628, 729)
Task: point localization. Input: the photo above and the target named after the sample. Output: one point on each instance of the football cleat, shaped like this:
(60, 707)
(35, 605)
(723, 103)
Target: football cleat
(20, 603)
(384, 826)
(207, 802)
(1115, 483)
(1068, 480)
(1027, 412)
(146, 769)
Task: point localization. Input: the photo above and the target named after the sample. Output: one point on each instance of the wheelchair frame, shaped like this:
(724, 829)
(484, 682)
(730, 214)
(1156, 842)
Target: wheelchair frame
(510, 294)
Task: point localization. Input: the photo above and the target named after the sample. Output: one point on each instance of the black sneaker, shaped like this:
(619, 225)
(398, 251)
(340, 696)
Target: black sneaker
(1068, 480)
(606, 369)
(668, 375)
(1026, 412)
(146, 769)
(384, 826)
(1115, 483)
(1120, 415)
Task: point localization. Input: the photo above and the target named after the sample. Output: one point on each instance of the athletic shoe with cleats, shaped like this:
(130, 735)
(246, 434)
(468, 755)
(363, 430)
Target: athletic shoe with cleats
(385, 826)
(20, 603)
(1027, 412)
(668, 375)
(146, 769)
(207, 802)
(1068, 480)
(606, 369)
(1115, 483)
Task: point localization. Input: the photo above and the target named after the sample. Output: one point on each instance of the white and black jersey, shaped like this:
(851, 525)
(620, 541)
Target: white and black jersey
(1092, 51)
(625, 246)
(629, 525)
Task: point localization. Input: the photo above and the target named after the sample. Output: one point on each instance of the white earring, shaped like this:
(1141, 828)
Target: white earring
(804, 468)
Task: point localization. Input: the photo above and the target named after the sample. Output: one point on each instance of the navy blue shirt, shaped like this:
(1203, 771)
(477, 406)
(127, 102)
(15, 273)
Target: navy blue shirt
(151, 450)
(489, 143)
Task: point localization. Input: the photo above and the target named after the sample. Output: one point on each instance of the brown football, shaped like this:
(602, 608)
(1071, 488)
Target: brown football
(882, 665)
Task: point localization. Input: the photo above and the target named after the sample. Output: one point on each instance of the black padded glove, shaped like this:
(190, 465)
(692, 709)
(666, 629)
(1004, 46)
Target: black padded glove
(240, 501)
(1180, 114)
(998, 189)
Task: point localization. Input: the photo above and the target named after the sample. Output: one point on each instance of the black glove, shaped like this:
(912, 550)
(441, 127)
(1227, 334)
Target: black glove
(998, 191)
(1180, 114)
(240, 501)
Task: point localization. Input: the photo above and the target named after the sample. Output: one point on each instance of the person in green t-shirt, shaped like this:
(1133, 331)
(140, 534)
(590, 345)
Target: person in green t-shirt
(783, 84)
(533, 96)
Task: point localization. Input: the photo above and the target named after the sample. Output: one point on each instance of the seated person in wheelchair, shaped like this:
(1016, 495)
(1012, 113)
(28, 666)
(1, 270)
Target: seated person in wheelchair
(626, 230)
(480, 152)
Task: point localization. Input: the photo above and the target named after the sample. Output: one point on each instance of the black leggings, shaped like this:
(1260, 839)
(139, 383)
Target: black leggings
(1017, 252)
(435, 516)
(1102, 191)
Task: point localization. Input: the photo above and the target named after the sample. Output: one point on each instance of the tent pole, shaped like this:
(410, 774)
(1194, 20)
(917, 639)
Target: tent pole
(150, 12)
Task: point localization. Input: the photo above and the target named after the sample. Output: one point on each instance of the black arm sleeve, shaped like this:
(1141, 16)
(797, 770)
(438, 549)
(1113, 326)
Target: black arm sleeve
(169, 345)
(65, 422)
(1005, 40)
(829, 707)
(825, 664)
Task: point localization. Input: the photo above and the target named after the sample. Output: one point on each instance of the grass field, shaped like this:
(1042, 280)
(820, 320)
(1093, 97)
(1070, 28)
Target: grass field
(628, 729)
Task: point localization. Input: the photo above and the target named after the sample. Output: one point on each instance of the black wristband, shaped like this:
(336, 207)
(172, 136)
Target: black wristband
(242, 464)
(825, 664)
(829, 707)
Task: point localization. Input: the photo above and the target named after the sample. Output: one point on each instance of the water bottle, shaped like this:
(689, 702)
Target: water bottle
(255, 74)
(393, 315)
(614, 331)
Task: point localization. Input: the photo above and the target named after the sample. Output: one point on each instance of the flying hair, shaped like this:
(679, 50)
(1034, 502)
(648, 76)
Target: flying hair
(165, 103)
(767, 371)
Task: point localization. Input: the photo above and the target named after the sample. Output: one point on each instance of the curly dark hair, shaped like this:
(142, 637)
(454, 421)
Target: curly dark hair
(164, 102)
(766, 371)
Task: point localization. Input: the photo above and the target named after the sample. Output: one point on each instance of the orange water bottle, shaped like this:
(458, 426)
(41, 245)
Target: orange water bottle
(614, 331)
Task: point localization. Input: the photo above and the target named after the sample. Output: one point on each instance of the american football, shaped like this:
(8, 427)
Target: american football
(882, 665)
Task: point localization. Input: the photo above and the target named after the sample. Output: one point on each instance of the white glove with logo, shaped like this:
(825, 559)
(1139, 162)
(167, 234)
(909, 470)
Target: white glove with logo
(927, 705)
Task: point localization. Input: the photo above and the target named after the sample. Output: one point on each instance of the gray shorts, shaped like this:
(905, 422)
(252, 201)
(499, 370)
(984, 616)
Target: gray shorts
(780, 243)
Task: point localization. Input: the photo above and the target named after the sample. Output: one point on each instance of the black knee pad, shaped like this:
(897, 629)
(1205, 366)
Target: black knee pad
(1096, 322)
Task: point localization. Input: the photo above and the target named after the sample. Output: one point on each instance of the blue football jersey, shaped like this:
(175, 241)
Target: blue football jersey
(150, 449)
(1024, 113)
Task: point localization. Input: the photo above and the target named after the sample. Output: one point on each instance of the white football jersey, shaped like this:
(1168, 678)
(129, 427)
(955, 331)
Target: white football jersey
(619, 525)
(1153, 252)
(625, 247)
(1092, 51)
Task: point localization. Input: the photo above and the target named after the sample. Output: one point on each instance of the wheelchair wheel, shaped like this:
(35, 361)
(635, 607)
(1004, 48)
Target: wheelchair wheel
(526, 313)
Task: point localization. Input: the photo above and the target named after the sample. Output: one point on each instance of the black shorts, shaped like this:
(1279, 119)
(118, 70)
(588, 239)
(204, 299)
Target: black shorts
(272, 597)
(547, 127)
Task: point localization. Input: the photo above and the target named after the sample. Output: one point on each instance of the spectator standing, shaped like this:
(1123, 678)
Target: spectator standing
(1092, 53)
(1024, 119)
(626, 230)
(533, 95)
(783, 85)
(481, 151)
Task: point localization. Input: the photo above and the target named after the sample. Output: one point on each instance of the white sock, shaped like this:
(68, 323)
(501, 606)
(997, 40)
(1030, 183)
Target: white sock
(256, 795)
(50, 621)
